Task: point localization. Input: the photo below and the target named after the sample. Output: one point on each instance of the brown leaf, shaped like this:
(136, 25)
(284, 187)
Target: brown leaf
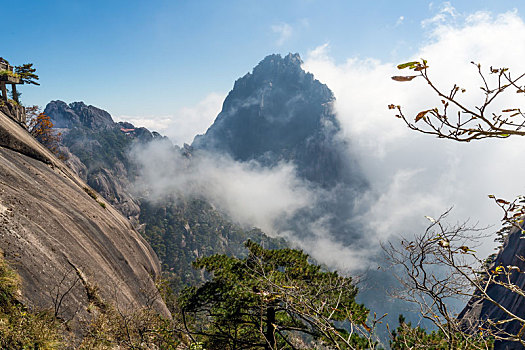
(421, 115)
(404, 77)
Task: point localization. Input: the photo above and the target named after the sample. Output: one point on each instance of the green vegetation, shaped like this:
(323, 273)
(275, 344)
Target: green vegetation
(9, 73)
(408, 337)
(274, 299)
(183, 230)
(91, 193)
(26, 73)
(19, 327)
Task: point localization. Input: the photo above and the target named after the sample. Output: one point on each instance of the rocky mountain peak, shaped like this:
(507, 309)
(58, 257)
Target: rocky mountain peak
(78, 114)
(286, 72)
(273, 67)
(280, 112)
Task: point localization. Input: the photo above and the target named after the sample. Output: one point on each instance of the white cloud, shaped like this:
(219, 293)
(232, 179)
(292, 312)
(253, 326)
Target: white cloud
(400, 20)
(304, 23)
(413, 175)
(185, 123)
(249, 193)
(153, 123)
(446, 13)
(284, 31)
(196, 119)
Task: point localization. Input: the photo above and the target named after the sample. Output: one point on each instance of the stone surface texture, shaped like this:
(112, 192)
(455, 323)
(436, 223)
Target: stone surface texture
(55, 235)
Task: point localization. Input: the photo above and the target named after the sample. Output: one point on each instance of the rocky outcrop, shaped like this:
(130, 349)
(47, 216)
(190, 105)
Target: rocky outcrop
(280, 112)
(96, 147)
(57, 235)
(77, 114)
(113, 186)
(477, 310)
(14, 111)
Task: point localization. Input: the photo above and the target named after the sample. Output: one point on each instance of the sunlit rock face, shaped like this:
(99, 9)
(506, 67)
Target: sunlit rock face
(77, 113)
(60, 238)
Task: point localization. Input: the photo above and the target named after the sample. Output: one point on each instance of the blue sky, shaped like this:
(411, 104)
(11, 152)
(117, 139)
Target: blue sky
(153, 58)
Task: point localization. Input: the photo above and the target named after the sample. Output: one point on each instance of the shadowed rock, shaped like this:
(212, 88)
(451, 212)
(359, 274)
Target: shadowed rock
(277, 113)
(478, 310)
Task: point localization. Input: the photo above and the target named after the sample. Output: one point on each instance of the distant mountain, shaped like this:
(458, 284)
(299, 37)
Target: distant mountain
(78, 114)
(97, 149)
(179, 229)
(279, 112)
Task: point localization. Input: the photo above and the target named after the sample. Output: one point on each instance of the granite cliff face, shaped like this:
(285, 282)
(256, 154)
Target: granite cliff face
(54, 233)
(279, 112)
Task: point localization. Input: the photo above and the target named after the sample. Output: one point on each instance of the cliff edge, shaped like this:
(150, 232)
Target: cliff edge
(62, 241)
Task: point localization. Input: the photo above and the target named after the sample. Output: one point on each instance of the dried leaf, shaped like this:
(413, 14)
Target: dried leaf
(404, 77)
(421, 115)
